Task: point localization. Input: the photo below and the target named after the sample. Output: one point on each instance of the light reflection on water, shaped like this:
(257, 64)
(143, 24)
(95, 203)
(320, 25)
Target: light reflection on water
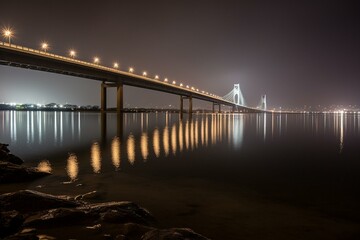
(96, 157)
(131, 149)
(116, 152)
(146, 135)
(144, 146)
(72, 167)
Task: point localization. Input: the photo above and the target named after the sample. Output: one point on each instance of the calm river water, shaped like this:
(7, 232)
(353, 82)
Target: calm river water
(227, 176)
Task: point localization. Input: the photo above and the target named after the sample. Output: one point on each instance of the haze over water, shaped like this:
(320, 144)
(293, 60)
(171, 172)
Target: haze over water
(212, 173)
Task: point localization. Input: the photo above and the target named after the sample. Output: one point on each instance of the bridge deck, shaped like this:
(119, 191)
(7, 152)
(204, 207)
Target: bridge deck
(19, 56)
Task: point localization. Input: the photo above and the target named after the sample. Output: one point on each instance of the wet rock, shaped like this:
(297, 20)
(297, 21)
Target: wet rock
(25, 234)
(10, 223)
(4, 148)
(6, 156)
(95, 227)
(119, 212)
(26, 201)
(94, 195)
(57, 217)
(10, 173)
(112, 220)
(173, 234)
(133, 230)
(45, 237)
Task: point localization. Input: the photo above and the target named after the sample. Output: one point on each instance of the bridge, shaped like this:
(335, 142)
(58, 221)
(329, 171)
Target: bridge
(42, 60)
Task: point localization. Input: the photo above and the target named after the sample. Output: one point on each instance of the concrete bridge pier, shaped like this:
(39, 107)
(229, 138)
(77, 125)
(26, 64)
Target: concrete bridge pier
(216, 104)
(103, 97)
(182, 105)
(235, 109)
(119, 96)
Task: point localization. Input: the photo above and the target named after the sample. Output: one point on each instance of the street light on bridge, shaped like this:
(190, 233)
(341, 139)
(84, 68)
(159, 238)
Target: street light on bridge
(72, 53)
(131, 70)
(165, 80)
(96, 60)
(156, 77)
(8, 33)
(144, 74)
(44, 46)
(116, 65)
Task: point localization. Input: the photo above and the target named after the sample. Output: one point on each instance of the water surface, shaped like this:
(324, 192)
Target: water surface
(227, 176)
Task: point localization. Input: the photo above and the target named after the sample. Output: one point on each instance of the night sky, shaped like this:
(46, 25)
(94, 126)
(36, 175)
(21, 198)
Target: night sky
(297, 52)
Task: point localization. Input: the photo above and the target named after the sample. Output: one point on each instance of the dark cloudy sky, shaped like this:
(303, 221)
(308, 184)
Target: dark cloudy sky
(297, 52)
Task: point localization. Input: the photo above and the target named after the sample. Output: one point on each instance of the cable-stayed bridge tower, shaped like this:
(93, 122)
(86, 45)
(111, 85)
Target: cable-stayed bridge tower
(235, 96)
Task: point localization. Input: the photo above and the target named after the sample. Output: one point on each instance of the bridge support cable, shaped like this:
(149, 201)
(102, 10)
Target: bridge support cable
(235, 96)
(229, 96)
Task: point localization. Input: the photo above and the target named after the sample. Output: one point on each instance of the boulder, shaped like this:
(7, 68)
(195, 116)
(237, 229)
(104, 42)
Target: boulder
(30, 214)
(57, 217)
(6, 156)
(27, 201)
(133, 230)
(4, 148)
(119, 212)
(94, 195)
(10, 222)
(25, 234)
(11, 173)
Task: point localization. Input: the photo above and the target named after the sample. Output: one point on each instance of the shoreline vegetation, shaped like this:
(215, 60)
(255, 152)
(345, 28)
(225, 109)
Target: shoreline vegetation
(27, 214)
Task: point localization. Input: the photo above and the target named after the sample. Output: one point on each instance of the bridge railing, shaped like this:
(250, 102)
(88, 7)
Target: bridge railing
(84, 63)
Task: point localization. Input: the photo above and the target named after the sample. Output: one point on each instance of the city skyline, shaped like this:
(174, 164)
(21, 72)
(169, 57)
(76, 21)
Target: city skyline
(297, 53)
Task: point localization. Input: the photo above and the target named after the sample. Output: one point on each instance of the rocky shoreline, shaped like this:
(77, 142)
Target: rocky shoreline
(27, 214)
